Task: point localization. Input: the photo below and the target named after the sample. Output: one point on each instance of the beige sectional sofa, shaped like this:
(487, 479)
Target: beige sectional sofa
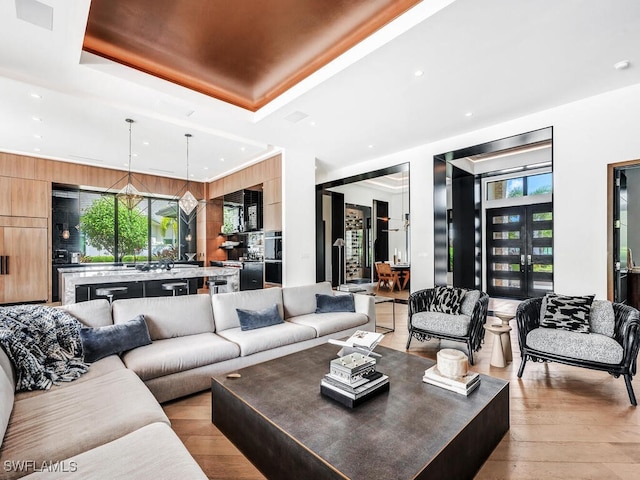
(109, 423)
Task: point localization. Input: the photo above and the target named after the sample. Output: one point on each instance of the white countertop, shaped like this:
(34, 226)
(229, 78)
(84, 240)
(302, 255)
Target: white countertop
(72, 277)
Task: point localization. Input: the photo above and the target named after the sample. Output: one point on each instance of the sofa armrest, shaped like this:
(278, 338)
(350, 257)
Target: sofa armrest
(627, 333)
(527, 318)
(365, 304)
(418, 302)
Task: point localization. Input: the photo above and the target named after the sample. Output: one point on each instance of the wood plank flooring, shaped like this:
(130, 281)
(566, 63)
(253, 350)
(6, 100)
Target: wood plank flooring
(566, 422)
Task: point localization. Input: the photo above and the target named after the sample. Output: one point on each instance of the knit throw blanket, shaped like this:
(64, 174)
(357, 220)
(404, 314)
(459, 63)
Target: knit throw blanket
(44, 345)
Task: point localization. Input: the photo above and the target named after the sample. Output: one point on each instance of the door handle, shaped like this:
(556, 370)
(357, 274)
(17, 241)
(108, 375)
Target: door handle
(522, 262)
(4, 264)
(528, 259)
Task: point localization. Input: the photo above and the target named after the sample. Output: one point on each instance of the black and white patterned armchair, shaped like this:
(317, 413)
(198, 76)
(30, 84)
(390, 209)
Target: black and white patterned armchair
(610, 342)
(428, 317)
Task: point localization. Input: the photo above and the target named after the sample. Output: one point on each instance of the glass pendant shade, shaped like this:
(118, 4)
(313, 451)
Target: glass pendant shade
(188, 202)
(129, 196)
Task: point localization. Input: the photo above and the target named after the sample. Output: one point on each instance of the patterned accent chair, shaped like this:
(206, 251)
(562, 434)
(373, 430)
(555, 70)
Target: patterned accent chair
(610, 343)
(428, 317)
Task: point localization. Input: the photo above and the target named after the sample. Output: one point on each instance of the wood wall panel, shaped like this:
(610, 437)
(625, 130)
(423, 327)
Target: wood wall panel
(30, 198)
(5, 196)
(24, 222)
(17, 166)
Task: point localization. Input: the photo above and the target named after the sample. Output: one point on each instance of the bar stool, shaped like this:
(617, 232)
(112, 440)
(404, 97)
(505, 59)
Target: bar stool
(176, 287)
(111, 292)
(214, 285)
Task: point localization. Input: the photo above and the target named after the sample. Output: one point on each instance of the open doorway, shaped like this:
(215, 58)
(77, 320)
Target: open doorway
(493, 214)
(623, 233)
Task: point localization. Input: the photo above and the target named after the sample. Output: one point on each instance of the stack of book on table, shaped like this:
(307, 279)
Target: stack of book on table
(464, 384)
(352, 379)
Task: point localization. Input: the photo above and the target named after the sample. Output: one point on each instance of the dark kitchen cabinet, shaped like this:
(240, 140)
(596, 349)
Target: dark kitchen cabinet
(251, 276)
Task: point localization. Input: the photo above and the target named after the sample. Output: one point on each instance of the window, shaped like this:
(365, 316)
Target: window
(539, 184)
(153, 230)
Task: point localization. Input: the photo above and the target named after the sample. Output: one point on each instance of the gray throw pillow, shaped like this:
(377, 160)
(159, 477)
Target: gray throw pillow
(100, 342)
(567, 312)
(334, 303)
(252, 319)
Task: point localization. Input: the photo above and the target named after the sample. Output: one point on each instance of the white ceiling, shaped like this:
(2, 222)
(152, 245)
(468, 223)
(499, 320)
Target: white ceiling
(496, 59)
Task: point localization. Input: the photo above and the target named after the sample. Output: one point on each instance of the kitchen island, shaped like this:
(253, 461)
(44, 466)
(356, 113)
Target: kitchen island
(79, 284)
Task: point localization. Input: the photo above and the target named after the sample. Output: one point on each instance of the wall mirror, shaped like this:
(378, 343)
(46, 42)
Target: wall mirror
(370, 213)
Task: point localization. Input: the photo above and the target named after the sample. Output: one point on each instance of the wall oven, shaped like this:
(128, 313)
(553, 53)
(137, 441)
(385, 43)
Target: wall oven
(273, 257)
(273, 246)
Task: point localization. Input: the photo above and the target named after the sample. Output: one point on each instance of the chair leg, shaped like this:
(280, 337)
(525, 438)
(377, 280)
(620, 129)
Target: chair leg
(470, 352)
(521, 369)
(409, 341)
(632, 396)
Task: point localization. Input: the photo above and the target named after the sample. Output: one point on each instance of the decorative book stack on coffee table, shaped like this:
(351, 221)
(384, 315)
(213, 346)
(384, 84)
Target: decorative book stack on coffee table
(352, 379)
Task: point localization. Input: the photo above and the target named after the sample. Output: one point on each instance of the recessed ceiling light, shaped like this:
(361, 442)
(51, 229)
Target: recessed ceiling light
(622, 65)
(36, 149)
(312, 123)
(35, 135)
(36, 119)
(370, 146)
(206, 168)
(146, 143)
(35, 95)
(221, 159)
(242, 149)
(134, 154)
(418, 73)
(468, 114)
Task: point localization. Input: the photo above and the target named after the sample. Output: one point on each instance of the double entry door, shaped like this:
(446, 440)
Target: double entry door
(520, 251)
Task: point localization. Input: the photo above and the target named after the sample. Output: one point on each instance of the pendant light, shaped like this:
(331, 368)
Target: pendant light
(129, 196)
(188, 202)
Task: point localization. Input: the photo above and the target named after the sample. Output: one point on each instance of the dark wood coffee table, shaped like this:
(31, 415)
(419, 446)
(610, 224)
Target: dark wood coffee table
(276, 416)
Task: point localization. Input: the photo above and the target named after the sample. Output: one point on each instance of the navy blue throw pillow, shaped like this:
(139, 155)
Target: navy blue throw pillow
(100, 342)
(334, 303)
(252, 319)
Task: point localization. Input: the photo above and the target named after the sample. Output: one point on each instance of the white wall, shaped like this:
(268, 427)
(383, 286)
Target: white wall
(588, 135)
(298, 218)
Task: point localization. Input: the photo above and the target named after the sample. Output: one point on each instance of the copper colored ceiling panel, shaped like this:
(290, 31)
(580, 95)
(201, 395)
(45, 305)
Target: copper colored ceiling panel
(245, 52)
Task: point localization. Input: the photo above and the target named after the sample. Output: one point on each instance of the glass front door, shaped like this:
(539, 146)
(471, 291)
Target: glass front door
(520, 251)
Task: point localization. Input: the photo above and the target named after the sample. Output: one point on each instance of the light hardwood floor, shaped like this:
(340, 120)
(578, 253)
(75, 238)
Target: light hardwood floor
(566, 422)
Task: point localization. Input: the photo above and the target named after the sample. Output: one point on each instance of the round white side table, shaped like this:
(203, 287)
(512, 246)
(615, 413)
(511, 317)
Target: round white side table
(505, 318)
(499, 352)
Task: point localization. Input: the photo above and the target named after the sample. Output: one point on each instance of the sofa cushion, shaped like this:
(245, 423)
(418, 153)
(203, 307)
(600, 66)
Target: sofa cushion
(101, 342)
(469, 301)
(7, 391)
(252, 319)
(593, 346)
(567, 312)
(334, 303)
(602, 318)
(225, 304)
(447, 323)
(94, 313)
(254, 341)
(164, 357)
(153, 451)
(96, 369)
(446, 300)
(327, 323)
(168, 317)
(62, 423)
(301, 300)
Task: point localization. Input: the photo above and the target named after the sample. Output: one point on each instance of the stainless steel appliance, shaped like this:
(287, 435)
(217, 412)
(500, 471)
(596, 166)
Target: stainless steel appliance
(75, 257)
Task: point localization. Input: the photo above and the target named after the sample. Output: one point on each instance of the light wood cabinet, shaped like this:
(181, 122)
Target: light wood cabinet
(25, 274)
(20, 197)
